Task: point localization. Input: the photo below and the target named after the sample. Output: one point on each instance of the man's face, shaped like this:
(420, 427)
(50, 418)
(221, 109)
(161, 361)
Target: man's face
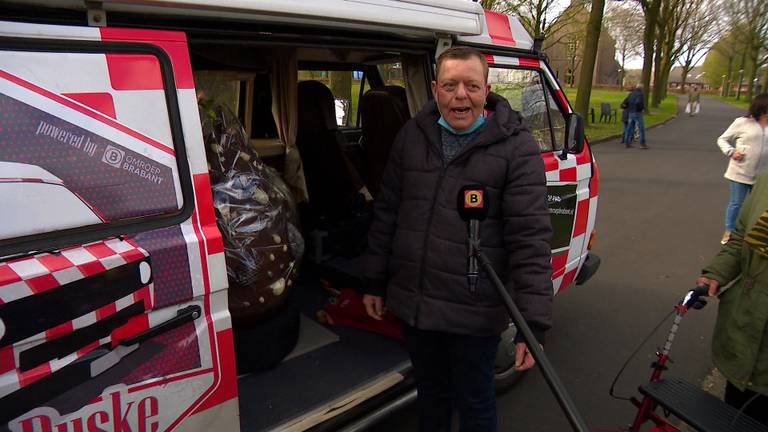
(460, 92)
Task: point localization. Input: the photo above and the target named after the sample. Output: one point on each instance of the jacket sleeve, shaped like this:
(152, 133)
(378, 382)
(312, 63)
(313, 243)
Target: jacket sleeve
(727, 141)
(527, 233)
(382, 230)
(726, 265)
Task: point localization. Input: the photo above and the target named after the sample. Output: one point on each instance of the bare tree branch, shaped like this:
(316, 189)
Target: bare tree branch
(751, 18)
(537, 16)
(697, 34)
(624, 22)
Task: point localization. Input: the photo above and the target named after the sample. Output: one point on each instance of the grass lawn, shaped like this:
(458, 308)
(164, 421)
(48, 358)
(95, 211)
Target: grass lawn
(741, 103)
(594, 131)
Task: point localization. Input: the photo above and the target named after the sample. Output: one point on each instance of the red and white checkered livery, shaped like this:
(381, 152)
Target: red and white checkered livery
(575, 169)
(33, 275)
(127, 90)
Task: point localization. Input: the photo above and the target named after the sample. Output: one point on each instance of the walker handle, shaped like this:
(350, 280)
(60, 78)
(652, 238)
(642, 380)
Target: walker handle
(693, 298)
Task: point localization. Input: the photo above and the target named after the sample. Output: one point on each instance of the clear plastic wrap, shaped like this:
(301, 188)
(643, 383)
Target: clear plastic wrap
(256, 215)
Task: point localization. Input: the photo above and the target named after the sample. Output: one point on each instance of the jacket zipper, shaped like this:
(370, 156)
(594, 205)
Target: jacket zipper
(445, 164)
(426, 239)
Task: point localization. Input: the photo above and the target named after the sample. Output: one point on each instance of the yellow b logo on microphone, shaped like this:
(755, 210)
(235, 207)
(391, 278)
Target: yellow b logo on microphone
(473, 199)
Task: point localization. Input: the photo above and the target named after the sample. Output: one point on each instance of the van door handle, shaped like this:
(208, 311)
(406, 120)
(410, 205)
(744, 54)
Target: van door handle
(183, 316)
(87, 372)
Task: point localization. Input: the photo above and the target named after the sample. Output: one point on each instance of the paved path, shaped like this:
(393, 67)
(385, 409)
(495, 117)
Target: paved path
(659, 219)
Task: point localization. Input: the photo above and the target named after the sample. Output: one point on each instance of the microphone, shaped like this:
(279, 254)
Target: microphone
(472, 209)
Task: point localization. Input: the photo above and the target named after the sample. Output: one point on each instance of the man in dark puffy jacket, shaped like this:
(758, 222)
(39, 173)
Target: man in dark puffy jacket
(417, 244)
(634, 104)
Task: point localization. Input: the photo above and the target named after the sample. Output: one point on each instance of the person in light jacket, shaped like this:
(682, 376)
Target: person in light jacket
(693, 100)
(739, 345)
(745, 142)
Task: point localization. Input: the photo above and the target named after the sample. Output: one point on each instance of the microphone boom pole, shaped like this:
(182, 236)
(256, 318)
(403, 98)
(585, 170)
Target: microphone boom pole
(474, 247)
(558, 389)
(473, 208)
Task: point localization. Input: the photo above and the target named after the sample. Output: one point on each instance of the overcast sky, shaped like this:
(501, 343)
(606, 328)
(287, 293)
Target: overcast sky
(631, 63)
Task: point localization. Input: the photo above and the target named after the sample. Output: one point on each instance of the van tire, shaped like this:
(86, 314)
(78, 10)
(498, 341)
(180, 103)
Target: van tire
(265, 344)
(504, 375)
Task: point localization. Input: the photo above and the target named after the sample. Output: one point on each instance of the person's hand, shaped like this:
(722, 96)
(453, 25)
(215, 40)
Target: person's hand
(374, 306)
(712, 284)
(523, 358)
(737, 155)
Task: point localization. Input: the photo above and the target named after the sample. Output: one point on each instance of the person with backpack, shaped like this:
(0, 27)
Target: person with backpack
(634, 104)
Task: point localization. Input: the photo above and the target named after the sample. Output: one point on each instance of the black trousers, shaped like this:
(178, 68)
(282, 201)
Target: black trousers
(453, 371)
(756, 408)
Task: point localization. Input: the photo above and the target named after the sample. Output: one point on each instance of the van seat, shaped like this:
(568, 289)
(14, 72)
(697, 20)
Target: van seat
(337, 214)
(383, 111)
(332, 180)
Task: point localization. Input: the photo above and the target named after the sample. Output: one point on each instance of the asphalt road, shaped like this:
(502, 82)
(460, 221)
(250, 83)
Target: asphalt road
(660, 218)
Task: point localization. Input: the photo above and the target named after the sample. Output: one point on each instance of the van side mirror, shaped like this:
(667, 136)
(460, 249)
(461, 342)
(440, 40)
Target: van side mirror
(574, 135)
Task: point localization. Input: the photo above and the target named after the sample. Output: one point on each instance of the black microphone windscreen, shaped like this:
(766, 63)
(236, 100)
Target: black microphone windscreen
(472, 202)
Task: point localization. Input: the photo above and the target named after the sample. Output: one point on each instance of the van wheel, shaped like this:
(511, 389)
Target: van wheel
(505, 375)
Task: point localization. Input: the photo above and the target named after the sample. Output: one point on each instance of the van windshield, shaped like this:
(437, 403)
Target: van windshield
(526, 93)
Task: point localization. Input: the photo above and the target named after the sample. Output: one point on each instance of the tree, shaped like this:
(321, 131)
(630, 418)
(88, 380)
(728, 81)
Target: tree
(589, 56)
(675, 15)
(696, 35)
(651, 10)
(724, 59)
(495, 5)
(666, 22)
(765, 80)
(341, 87)
(662, 45)
(625, 24)
(750, 17)
(565, 46)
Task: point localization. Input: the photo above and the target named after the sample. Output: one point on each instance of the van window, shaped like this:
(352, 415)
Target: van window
(248, 95)
(526, 93)
(226, 88)
(392, 73)
(69, 152)
(345, 86)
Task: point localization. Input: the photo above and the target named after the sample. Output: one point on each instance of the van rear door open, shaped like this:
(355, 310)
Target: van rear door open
(123, 290)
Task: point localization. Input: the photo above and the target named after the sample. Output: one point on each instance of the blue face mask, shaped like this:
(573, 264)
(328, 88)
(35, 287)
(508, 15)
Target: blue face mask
(475, 126)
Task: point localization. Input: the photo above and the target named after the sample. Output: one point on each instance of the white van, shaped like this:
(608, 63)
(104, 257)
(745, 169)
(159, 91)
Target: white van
(146, 286)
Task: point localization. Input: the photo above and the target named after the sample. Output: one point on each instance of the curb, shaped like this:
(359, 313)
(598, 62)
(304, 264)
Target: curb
(611, 137)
